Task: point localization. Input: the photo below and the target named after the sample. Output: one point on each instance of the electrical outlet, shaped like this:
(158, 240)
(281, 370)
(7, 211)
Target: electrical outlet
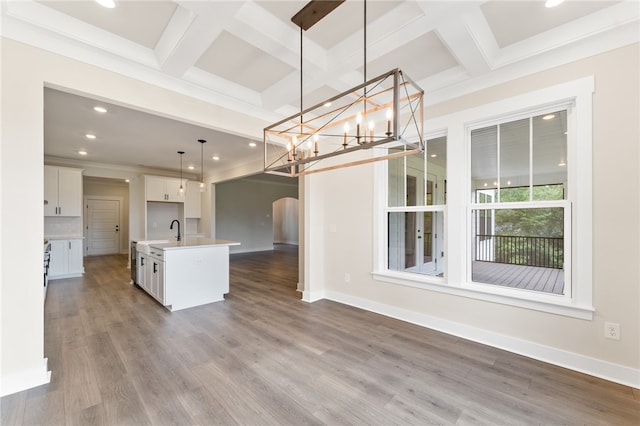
(347, 277)
(612, 330)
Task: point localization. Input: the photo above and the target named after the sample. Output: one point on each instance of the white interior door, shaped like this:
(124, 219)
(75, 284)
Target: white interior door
(103, 226)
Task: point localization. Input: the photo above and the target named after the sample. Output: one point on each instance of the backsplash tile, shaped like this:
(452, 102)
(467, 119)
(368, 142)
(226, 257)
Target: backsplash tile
(62, 226)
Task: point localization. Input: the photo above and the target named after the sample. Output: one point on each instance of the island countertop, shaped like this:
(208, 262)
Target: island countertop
(188, 243)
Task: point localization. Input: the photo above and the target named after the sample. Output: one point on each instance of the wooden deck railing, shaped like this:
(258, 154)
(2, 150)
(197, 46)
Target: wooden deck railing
(546, 252)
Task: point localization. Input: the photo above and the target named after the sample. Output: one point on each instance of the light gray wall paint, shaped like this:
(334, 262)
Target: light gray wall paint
(244, 210)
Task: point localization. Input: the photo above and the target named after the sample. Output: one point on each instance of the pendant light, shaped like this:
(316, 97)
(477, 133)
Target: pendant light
(203, 187)
(181, 189)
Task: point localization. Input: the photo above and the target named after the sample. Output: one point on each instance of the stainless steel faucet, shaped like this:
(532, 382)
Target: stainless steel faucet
(171, 227)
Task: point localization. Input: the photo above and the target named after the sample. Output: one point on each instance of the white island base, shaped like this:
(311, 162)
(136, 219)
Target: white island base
(184, 274)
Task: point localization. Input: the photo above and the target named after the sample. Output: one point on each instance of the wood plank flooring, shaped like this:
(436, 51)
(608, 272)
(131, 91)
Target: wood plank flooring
(264, 357)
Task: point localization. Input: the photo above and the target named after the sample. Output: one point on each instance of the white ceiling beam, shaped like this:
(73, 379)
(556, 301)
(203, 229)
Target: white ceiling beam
(260, 28)
(469, 47)
(47, 25)
(192, 29)
(601, 22)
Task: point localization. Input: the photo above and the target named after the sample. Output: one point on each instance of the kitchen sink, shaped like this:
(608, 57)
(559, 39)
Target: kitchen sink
(144, 246)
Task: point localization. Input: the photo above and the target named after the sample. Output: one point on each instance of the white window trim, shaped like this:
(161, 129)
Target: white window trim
(579, 304)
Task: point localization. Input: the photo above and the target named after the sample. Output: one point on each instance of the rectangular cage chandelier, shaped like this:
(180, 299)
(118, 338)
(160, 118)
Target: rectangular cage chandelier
(384, 112)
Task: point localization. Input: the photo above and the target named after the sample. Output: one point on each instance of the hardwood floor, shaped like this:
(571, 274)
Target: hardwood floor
(264, 357)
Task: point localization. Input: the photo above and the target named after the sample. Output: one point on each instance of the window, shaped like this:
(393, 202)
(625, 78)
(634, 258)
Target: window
(515, 194)
(520, 161)
(415, 217)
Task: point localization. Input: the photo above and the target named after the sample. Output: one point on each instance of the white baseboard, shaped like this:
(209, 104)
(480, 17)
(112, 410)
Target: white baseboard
(17, 382)
(603, 369)
(240, 250)
(312, 296)
(300, 287)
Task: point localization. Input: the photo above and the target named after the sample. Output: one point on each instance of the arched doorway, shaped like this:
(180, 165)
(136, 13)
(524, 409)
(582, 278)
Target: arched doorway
(285, 221)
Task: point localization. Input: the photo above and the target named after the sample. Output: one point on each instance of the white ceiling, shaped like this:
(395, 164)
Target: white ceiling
(245, 56)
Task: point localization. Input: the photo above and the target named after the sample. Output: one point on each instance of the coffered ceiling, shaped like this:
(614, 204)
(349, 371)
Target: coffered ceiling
(244, 56)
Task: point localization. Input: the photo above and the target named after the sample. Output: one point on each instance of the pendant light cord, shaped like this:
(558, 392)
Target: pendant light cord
(301, 76)
(365, 45)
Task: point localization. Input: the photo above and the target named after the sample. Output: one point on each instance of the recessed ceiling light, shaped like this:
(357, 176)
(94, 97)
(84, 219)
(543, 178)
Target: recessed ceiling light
(252, 144)
(191, 167)
(553, 3)
(82, 152)
(433, 155)
(127, 180)
(90, 136)
(99, 109)
(562, 164)
(109, 4)
(215, 157)
(327, 104)
(485, 184)
(548, 116)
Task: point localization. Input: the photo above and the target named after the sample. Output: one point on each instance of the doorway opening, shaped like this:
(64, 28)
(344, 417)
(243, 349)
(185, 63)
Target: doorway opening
(285, 221)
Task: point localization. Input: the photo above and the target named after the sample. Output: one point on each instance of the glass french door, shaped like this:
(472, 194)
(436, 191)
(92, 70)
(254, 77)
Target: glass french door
(421, 228)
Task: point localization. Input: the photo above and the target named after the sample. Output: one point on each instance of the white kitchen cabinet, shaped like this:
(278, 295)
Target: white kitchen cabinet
(157, 279)
(142, 279)
(192, 203)
(62, 191)
(151, 273)
(66, 259)
(163, 189)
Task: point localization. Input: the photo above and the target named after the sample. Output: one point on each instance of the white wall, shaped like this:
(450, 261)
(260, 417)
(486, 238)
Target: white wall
(244, 212)
(285, 221)
(342, 239)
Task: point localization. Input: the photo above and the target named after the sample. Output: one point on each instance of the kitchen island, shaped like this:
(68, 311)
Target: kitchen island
(183, 274)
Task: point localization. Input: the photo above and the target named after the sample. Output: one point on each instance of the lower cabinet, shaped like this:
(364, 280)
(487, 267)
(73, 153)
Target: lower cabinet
(157, 279)
(151, 275)
(66, 259)
(142, 279)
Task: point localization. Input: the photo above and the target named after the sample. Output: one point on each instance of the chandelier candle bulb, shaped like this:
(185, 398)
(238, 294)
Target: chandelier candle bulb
(289, 156)
(389, 117)
(346, 130)
(371, 128)
(315, 144)
(294, 146)
(358, 121)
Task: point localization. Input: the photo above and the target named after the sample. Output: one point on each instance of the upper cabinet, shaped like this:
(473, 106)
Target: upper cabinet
(192, 201)
(62, 191)
(163, 189)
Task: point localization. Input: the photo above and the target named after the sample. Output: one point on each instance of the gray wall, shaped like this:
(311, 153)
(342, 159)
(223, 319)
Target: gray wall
(244, 209)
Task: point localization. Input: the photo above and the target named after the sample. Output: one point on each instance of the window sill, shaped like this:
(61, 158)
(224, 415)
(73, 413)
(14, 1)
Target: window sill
(489, 293)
